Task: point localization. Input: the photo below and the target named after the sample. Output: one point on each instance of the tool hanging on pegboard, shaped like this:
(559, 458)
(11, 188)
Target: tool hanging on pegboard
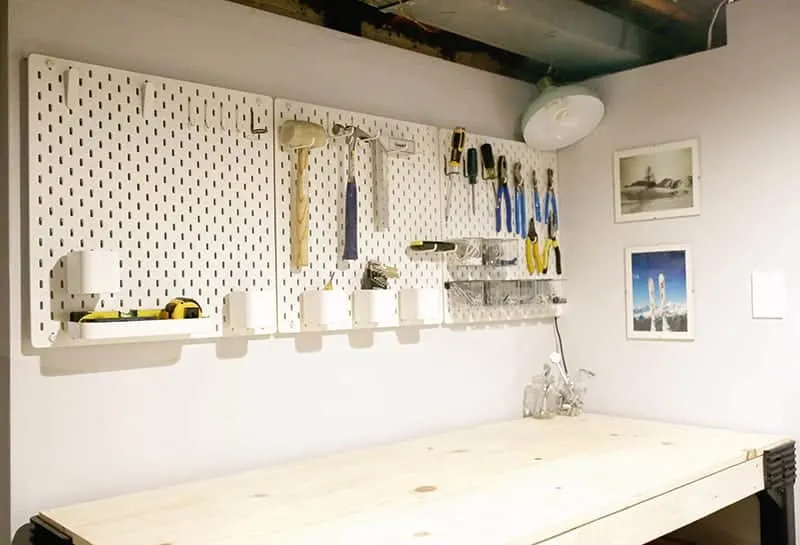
(471, 171)
(381, 191)
(537, 203)
(503, 196)
(520, 208)
(376, 276)
(352, 135)
(550, 201)
(301, 136)
(453, 167)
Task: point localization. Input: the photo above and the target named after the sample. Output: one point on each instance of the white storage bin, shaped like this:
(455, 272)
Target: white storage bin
(93, 271)
(375, 308)
(325, 310)
(421, 306)
(252, 311)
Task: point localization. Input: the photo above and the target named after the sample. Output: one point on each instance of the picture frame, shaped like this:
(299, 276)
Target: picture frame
(659, 292)
(657, 182)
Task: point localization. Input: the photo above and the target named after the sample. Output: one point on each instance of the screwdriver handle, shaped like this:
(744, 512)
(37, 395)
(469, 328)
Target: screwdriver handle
(487, 158)
(472, 165)
(457, 141)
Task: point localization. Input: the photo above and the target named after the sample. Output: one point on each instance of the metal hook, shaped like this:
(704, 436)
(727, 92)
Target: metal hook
(342, 131)
(253, 128)
(351, 131)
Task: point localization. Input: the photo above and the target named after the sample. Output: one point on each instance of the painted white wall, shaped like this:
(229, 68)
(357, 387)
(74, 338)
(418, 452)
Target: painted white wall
(742, 102)
(223, 408)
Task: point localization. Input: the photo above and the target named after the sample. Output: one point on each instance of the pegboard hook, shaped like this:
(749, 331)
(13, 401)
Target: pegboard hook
(253, 128)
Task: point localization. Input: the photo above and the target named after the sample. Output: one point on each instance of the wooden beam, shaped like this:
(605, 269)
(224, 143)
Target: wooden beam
(669, 8)
(360, 19)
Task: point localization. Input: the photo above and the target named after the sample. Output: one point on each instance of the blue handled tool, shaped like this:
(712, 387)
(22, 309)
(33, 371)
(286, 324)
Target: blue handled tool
(550, 202)
(520, 212)
(352, 135)
(502, 193)
(537, 204)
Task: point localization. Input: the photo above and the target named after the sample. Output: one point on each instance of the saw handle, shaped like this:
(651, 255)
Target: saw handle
(299, 216)
(351, 221)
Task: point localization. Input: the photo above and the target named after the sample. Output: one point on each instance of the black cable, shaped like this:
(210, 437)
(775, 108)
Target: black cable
(560, 345)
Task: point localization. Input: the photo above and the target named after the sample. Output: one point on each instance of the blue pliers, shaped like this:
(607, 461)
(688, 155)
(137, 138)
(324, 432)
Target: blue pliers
(550, 202)
(520, 212)
(502, 194)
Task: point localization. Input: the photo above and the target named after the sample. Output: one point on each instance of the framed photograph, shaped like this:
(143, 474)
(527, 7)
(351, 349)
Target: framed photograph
(659, 292)
(657, 182)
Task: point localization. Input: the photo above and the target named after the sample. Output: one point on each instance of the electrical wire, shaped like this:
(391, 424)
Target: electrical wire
(560, 345)
(717, 11)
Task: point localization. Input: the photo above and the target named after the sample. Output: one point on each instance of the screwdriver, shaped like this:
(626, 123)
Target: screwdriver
(487, 162)
(454, 165)
(472, 172)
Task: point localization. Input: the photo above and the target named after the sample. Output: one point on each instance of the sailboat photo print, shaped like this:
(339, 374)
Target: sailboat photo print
(660, 296)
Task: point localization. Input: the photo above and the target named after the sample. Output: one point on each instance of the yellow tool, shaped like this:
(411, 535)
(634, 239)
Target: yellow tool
(114, 316)
(533, 256)
(181, 308)
(551, 244)
(329, 283)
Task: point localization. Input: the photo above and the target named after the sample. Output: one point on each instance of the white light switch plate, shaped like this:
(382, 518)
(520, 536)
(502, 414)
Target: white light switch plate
(769, 294)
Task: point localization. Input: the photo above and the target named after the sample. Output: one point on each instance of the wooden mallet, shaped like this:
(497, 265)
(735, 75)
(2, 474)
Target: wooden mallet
(301, 136)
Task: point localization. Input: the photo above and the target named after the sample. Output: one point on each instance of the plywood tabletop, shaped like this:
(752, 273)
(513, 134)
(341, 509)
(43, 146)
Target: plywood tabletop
(513, 483)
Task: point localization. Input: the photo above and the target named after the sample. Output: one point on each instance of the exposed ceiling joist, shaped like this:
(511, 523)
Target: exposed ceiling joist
(524, 39)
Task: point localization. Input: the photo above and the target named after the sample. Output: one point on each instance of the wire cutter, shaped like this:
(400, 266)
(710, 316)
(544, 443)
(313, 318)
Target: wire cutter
(533, 255)
(520, 213)
(537, 206)
(550, 203)
(551, 244)
(502, 193)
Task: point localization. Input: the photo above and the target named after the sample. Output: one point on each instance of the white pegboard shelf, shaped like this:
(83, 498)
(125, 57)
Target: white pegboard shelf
(95, 332)
(414, 204)
(187, 187)
(464, 224)
(165, 173)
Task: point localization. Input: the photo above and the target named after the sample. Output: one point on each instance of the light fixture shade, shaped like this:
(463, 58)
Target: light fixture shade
(561, 116)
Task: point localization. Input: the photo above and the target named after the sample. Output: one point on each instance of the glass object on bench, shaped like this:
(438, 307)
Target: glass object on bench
(541, 398)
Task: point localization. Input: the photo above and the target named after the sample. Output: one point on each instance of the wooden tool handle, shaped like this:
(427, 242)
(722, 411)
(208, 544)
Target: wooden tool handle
(300, 213)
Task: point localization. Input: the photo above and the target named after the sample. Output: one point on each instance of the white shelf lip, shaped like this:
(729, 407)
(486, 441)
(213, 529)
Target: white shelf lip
(162, 329)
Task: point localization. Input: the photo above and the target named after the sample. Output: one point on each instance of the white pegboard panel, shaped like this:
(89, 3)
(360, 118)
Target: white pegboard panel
(165, 172)
(464, 224)
(415, 205)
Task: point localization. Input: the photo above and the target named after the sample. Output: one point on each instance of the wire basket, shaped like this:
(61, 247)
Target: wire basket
(501, 293)
(500, 252)
(469, 252)
(466, 294)
(541, 292)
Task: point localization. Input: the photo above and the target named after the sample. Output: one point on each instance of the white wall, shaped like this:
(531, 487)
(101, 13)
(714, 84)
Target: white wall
(221, 408)
(742, 102)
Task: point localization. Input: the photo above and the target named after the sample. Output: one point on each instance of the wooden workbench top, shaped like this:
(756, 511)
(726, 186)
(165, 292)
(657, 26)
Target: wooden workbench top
(513, 483)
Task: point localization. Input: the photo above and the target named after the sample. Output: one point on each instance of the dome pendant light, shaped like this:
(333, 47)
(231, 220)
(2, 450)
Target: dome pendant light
(560, 116)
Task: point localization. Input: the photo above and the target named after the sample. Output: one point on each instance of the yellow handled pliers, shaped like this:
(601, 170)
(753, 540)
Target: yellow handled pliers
(533, 256)
(552, 244)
